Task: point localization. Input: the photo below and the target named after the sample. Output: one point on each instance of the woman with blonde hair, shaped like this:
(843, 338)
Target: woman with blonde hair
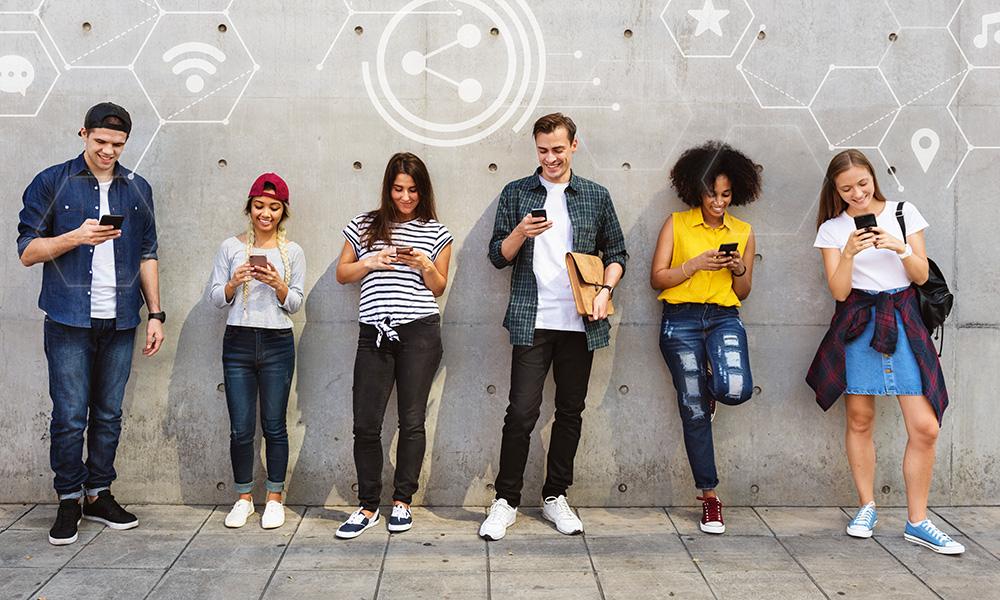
(259, 277)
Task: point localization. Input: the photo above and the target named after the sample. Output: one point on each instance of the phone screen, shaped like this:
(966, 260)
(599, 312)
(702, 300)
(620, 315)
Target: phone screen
(258, 260)
(865, 221)
(729, 248)
(113, 220)
(539, 213)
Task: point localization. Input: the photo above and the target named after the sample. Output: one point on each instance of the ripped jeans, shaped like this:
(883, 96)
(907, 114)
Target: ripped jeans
(705, 348)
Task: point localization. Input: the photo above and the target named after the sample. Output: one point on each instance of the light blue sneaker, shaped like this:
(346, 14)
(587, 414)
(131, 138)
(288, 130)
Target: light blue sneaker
(863, 523)
(926, 534)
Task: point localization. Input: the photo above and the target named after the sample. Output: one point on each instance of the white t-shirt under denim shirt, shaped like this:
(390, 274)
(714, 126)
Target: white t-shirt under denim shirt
(262, 308)
(875, 269)
(556, 305)
(104, 284)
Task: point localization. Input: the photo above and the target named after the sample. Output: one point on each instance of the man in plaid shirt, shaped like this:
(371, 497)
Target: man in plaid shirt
(571, 214)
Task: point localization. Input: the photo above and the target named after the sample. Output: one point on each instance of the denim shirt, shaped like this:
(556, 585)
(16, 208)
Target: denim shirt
(59, 200)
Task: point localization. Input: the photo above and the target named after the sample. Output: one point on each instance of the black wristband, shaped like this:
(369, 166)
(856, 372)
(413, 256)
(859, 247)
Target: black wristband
(611, 290)
(159, 316)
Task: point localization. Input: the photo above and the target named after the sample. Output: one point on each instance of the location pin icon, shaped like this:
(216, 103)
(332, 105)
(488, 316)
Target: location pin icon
(925, 144)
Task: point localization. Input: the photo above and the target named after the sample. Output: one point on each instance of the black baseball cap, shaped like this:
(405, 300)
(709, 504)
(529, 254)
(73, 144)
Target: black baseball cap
(99, 114)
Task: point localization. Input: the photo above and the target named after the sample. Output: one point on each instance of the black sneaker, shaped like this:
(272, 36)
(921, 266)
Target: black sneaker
(105, 510)
(67, 519)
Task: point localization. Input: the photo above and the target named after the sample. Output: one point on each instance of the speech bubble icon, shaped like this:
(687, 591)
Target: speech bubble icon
(16, 74)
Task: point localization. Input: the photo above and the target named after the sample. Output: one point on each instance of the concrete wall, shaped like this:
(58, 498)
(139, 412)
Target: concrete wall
(642, 84)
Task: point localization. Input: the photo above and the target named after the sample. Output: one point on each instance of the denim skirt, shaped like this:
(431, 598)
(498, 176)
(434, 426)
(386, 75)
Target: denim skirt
(872, 373)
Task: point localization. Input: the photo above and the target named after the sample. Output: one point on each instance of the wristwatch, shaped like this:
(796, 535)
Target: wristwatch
(611, 290)
(906, 253)
(159, 316)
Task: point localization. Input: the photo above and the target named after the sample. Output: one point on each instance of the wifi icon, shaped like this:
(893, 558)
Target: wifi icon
(195, 82)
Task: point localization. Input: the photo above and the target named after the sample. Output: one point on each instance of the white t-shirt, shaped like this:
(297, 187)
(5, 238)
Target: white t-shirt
(556, 306)
(875, 269)
(104, 285)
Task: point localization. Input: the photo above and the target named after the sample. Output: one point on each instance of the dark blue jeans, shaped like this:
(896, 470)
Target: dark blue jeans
(258, 362)
(695, 339)
(88, 370)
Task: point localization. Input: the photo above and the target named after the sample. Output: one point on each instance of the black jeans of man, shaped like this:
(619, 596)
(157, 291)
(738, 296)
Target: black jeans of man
(410, 364)
(567, 354)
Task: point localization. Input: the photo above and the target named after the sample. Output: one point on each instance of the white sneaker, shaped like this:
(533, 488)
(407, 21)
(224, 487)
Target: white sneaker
(557, 510)
(274, 515)
(502, 516)
(237, 517)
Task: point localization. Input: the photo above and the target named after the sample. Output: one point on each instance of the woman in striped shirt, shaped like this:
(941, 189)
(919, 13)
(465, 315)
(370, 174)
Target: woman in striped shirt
(400, 254)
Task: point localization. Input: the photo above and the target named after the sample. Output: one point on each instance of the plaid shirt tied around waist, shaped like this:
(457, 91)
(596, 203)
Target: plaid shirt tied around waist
(596, 231)
(827, 375)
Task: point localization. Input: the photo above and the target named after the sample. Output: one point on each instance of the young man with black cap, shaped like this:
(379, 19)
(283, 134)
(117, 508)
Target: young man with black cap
(539, 219)
(94, 280)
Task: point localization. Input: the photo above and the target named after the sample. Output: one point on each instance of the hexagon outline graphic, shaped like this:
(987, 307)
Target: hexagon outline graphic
(68, 65)
(249, 74)
(52, 86)
(743, 72)
(951, 31)
(963, 73)
(350, 13)
(736, 45)
(894, 113)
(970, 147)
(892, 173)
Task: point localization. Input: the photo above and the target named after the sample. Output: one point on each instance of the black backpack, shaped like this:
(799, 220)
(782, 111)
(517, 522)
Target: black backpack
(934, 297)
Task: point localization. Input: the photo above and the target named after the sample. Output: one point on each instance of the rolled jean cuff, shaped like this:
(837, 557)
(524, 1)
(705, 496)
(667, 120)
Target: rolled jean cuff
(244, 488)
(707, 487)
(72, 495)
(274, 487)
(96, 490)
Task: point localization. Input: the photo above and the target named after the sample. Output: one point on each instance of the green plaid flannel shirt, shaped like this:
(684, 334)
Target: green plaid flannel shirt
(595, 231)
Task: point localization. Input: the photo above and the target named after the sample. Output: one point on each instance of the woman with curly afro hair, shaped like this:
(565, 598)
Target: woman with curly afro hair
(699, 269)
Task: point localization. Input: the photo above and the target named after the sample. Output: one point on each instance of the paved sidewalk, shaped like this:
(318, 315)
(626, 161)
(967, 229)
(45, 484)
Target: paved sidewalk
(185, 552)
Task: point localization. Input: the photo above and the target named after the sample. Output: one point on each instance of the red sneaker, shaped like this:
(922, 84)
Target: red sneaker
(711, 515)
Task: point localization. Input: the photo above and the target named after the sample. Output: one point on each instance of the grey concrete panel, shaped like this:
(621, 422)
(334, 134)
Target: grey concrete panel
(618, 585)
(12, 512)
(625, 521)
(718, 555)
(316, 548)
(639, 552)
(976, 447)
(182, 584)
(887, 585)
(307, 114)
(518, 554)
(440, 553)
(744, 585)
(31, 548)
(21, 582)
(430, 586)
(530, 585)
(835, 555)
(132, 550)
(356, 585)
(806, 521)
(740, 520)
(131, 584)
(157, 517)
(220, 552)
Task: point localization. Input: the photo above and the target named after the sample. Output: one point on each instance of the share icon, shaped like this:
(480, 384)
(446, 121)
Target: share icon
(469, 90)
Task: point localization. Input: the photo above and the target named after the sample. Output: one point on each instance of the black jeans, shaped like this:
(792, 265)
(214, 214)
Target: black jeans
(258, 362)
(410, 364)
(566, 352)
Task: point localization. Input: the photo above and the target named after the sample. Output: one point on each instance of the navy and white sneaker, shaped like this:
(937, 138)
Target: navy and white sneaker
(926, 534)
(863, 523)
(356, 524)
(401, 519)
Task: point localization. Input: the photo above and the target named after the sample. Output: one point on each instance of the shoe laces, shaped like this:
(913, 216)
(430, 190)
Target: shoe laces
(940, 537)
(400, 512)
(356, 518)
(711, 509)
(864, 516)
(498, 511)
(563, 508)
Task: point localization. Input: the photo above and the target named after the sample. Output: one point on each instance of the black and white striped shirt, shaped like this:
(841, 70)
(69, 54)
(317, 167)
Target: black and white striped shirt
(399, 294)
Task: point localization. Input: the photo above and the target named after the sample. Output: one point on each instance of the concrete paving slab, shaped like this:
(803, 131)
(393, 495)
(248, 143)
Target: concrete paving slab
(740, 520)
(183, 584)
(246, 553)
(42, 516)
(132, 549)
(926, 564)
(449, 520)
(217, 521)
(320, 550)
(719, 554)
(641, 552)
(980, 522)
(897, 586)
(12, 512)
(753, 585)
(106, 584)
(435, 553)
(357, 585)
(535, 553)
(622, 521)
(624, 585)
(828, 554)
(526, 585)
(433, 586)
(805, 520)
(31, 548)
(324, 519)
(162, 517)
(19, 583)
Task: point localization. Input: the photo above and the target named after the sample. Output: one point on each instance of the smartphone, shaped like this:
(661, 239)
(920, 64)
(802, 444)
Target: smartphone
(258, 260)
(865, 221)
(113, 220)
(539, 213)
(404, 250)
(729, 248)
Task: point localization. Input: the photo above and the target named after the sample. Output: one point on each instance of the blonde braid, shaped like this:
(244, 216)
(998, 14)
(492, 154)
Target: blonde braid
(283, 249)
(246, 284)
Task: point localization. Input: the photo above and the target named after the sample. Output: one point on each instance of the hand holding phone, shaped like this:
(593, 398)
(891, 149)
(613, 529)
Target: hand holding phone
(865, 221)
(404, 250)
(258, 260)
(113, 220)
(729, 249)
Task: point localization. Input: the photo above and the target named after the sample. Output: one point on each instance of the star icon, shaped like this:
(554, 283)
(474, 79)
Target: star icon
(709, 18)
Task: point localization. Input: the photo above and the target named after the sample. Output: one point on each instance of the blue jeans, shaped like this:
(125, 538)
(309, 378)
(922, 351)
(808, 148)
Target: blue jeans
(88, 370)
(258, 362)
(694, 337)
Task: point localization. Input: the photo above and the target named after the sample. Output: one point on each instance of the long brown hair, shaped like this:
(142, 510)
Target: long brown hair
(830, 202)
(379, 228)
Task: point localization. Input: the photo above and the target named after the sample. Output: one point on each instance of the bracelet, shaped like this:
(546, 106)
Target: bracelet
(741, 274)
(611, 291)
(686, 276)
